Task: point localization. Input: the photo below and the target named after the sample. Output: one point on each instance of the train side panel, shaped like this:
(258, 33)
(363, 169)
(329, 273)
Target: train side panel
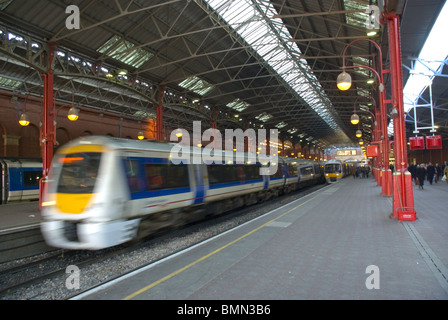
(20, 179)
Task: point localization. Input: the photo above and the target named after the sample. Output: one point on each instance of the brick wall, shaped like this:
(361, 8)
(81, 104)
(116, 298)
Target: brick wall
(18, 141)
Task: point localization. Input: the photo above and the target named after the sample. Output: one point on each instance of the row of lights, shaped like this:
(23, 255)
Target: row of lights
(344, 82)
(72, 115)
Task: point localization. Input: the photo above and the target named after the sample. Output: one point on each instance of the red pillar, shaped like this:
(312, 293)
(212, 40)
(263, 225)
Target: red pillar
(47, 131)
(214, 134)
(404, 191)
(159, 111)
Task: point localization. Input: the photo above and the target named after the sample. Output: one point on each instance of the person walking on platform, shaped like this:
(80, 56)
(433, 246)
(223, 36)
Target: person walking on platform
(430, 171)
(445, 173)
(413, 170)
(421, 175)
(438, 172)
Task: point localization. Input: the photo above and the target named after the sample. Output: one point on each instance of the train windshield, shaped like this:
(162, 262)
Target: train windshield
(79, 172)
(333, 168)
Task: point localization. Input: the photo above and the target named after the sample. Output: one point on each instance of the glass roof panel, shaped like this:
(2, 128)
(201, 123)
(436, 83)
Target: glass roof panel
(238, 105)
(357, 18)
(269, 37)
(196, 85)
(434, 55)
(281, 125)
(121, 50)
(9, 83)
(264, 117)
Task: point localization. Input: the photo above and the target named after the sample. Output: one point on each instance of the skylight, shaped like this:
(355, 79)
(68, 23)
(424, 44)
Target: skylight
(238, 105)
(121, 50)
(196, 85)
(433, 53)
(264, 117)
(356, 18)
(9, 83)
(269, 37)
(4, 4)
(281, 125)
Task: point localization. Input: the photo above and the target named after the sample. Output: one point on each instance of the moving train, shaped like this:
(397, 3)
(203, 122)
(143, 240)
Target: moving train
(105, 191)
(335, 170)
(20, 179)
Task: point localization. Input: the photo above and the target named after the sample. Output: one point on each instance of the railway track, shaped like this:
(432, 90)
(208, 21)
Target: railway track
(44, 276)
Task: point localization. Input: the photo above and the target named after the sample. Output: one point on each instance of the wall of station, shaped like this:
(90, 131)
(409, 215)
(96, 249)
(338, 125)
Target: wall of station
(19, 141)
(426, 156)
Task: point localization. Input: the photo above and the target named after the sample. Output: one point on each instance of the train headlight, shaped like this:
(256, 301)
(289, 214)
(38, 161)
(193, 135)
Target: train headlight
(48, 203)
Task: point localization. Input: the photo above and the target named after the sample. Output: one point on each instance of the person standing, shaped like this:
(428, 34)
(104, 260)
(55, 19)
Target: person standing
(430, 171)
(421, 175)
(438, 172)
(413, 170)
(445, 172)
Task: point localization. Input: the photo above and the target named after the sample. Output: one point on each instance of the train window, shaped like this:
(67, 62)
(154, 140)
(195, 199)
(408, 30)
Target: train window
(306, 170)
(292, 170)
(31, 178)
(332, 168)
(252, 172)
(281, 170)
(132, 172)
(223, 173)
(166, 176)
(79, 172)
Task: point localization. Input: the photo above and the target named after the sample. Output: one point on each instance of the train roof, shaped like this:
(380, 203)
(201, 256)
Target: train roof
(112, 143)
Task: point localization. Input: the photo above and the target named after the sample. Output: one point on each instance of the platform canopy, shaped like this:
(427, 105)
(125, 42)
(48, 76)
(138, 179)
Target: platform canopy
(241, 63)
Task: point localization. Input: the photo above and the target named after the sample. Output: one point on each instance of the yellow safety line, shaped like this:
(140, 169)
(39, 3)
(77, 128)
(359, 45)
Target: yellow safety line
(152, 285)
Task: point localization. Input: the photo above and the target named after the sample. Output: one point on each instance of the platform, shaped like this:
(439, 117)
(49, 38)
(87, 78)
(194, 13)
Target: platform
(337, 243)
(19, 214)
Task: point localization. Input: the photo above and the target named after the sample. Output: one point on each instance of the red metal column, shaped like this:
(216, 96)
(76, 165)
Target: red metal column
(214, 134)
(47, 132)
(403, 201)
(159, 111)
(385, 179)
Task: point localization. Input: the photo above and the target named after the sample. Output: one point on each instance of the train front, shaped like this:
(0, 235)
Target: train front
(83, 205)
(333, 171)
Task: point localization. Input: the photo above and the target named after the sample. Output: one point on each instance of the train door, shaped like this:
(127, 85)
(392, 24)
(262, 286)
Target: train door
(4, 182)
(199, 186)
(14, 180)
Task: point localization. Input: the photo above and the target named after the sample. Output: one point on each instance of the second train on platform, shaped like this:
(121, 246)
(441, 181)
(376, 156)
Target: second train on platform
(335, 170)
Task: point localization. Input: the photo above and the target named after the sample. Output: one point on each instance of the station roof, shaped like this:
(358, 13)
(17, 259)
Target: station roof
(245, 64)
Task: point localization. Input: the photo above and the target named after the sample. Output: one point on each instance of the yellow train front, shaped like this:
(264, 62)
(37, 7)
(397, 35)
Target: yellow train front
(86, 198)
(335, 170)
